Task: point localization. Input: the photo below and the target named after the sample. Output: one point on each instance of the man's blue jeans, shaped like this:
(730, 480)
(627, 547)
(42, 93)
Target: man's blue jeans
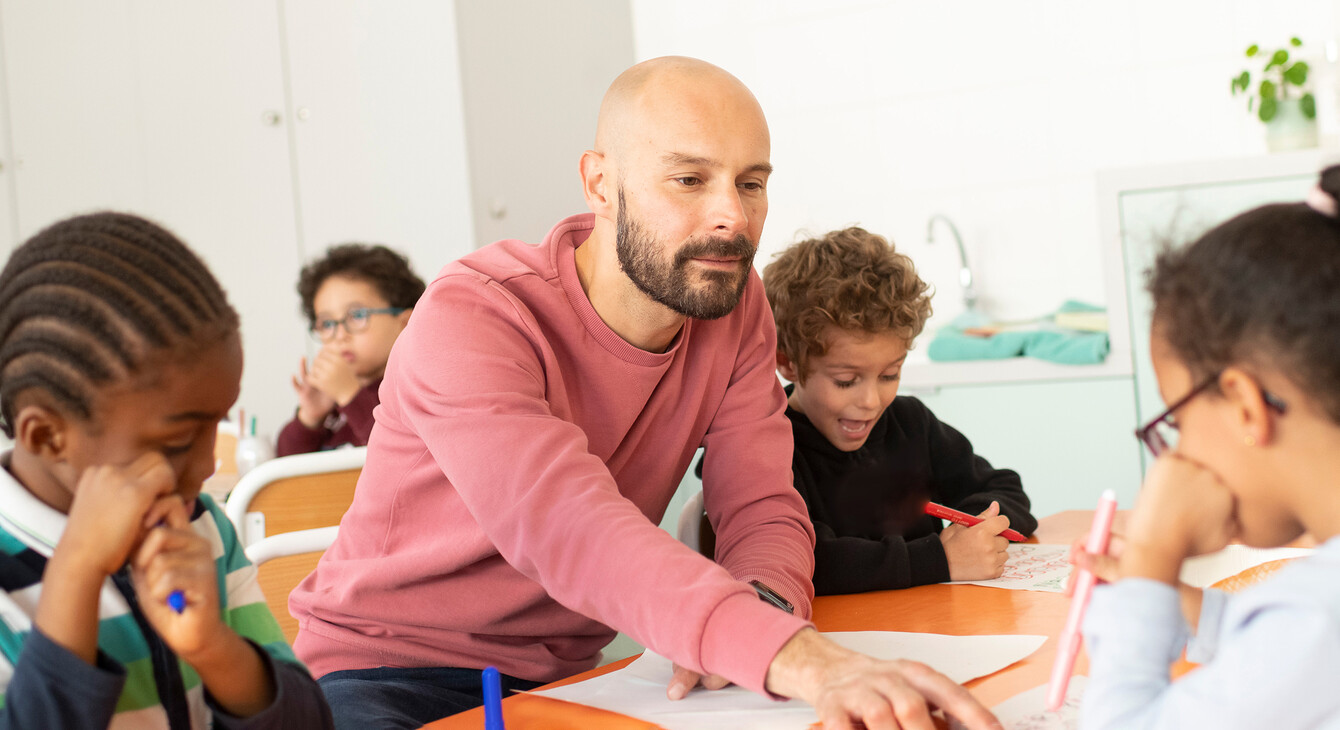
(385, 697)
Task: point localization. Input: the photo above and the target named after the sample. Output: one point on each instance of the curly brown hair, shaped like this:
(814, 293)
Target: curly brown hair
(850, 279)
(387, 271)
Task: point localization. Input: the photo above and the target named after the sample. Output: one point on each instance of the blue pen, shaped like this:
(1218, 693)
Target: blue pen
(176, 600)
(493, 717)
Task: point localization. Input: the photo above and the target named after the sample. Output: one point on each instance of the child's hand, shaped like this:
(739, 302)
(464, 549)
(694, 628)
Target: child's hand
(173, 557)
(313, 405)
(111, 511)
(977, 552)
(1104, 567)
(1183, 509)
(334, 376)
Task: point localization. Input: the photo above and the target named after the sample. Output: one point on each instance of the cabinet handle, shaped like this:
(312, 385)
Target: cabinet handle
(304, 113)
(270, 118)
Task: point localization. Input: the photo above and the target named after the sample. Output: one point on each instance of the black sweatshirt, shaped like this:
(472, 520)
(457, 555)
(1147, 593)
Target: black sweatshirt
(866, 504)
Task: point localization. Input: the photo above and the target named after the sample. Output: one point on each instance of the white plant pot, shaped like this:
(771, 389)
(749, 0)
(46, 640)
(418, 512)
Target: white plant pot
(1290, 129)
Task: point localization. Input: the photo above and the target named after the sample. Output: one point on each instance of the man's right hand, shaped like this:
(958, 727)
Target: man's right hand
(846, 687)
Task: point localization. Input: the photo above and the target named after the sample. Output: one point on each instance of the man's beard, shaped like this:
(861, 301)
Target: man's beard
(668, 283)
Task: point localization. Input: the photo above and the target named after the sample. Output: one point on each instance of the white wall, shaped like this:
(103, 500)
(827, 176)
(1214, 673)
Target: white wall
(998, 114)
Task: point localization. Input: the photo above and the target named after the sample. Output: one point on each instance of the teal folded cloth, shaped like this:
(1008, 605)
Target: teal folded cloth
(1067, 347)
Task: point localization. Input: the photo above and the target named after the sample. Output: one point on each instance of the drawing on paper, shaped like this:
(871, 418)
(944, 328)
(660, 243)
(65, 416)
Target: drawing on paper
(1033, 568)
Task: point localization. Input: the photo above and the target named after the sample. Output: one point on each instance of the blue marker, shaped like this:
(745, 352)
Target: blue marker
(176, 600)
(493, 717)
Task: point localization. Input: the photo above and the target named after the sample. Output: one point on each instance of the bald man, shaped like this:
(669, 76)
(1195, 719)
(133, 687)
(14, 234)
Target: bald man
(537, 416)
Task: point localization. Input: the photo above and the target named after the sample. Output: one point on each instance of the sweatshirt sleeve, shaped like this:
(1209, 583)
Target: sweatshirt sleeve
(298, 701)
(968, 483)
(858, 564)
(762, 525)
(358, 414)
(52, 687)
(551, 507)
(296, 438)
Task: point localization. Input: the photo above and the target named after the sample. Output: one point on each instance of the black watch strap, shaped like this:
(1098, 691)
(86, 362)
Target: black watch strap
(768, 595)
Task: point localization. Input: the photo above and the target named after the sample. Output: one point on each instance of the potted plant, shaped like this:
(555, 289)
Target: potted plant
(1281, 99)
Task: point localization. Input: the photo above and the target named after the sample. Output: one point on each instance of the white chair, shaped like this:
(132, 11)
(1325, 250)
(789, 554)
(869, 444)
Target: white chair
(694, 529)
(282, 561)
(294, 493)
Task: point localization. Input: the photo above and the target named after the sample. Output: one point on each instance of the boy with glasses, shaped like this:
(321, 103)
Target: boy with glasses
(357, 299)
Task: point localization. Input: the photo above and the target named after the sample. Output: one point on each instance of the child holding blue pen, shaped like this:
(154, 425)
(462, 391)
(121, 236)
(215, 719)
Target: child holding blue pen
(1246, 346)
(126, 599)
(866, 460)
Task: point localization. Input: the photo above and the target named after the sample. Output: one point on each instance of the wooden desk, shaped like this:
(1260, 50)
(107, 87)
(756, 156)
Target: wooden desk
(937, 609)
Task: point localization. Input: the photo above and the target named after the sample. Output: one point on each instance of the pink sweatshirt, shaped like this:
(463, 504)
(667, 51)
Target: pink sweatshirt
(522, 457)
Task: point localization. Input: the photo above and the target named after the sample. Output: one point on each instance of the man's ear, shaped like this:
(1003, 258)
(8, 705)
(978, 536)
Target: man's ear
(42, 431)
(595, 184)
(787, 368)
(1250, 412)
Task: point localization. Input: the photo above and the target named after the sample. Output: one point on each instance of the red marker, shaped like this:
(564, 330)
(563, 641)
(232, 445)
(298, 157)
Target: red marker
(967, 520)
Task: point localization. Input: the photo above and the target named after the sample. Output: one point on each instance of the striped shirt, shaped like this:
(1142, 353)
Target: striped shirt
(137, 682)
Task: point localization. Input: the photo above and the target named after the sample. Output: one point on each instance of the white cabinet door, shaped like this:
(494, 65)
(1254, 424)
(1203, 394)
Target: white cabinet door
(1069, 440)
(174, 111)
(379, 131)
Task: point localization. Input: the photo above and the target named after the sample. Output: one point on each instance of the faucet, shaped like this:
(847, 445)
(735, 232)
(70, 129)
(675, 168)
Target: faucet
(964, 273)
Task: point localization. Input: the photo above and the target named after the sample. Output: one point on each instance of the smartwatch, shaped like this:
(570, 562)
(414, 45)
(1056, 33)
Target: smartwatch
(768, 595)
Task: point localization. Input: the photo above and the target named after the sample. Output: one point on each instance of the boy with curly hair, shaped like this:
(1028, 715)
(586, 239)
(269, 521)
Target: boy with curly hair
(357, 300)
(866, 460)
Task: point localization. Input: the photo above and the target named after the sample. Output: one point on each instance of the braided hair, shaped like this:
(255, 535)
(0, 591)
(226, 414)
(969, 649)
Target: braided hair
(95, 299)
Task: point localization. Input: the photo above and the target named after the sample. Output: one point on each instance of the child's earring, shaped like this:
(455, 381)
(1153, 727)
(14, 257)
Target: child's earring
(1249, 441)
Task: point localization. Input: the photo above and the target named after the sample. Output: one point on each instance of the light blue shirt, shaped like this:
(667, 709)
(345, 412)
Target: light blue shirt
(1271, 654)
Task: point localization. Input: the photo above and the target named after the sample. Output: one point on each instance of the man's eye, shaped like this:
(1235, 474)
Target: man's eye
(688, 181)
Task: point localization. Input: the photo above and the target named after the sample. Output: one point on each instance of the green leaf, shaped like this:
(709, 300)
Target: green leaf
(1252, 50)
(1309, 106)
(1267, 90)
(1268, 109)
(1280, 58)
(1297, 73)
(1295, 42)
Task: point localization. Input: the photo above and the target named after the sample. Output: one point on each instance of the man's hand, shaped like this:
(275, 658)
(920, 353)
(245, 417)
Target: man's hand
(977, 552)
(684, 680)
(846, 687)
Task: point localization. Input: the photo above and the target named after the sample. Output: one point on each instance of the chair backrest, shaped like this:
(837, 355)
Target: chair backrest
(694, 529)
(282, 561)
(294, 493)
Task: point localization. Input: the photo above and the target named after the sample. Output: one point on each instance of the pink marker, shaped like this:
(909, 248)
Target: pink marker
(1071, 638)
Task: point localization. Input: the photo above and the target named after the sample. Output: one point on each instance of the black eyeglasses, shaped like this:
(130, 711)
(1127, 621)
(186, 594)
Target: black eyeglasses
(1161, 434)
(354, 321)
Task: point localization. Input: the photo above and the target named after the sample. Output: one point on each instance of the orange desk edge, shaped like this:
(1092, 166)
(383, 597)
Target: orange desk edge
(936, 609)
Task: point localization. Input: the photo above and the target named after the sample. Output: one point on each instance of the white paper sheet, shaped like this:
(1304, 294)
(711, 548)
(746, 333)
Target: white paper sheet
(1027, 710)
(1032, 568)
(638, 690)
(1205, 570)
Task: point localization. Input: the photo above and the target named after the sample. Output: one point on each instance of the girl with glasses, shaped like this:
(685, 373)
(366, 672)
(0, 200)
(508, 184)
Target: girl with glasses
(1246, 346)
(357, 299)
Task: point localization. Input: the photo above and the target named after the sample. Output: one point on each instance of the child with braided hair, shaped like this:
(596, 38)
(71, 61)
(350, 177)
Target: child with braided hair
(127, 600)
